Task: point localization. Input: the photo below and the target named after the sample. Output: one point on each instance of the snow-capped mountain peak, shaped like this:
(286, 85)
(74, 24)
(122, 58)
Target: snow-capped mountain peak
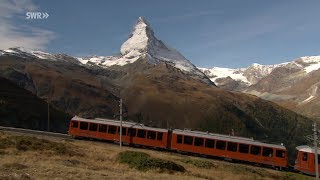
(217, 72)
(252, 74)
(142, 44)
(143, 41)
(249, 75)
(141, 36)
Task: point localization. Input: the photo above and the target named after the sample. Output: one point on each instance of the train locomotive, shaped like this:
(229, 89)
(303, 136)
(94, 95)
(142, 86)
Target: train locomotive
(195, 142)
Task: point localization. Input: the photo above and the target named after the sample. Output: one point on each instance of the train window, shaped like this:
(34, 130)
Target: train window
(280, 153)
(93, 127)
(112, 129)
(131, 132)
(187, 140)
(198, 141)
(268, 152)
(232, 146)
(221, 145)
(304, 156)
(255, 150)
(159, 137)
(209, 143)
(141, 133)
(318, 159)
(244, 148)
(151, 135)
(84, 125)
(102, 128)
(124, 131)
(74, 124)
(179, 139)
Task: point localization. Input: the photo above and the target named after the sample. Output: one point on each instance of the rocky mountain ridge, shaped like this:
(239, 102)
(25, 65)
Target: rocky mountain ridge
(292, 84)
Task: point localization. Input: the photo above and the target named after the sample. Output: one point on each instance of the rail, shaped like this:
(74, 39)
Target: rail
(35, 132)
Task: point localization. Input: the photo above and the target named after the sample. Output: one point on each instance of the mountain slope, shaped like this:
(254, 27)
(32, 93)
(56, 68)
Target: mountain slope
(162, 96)
(67, 84)
(20, 108)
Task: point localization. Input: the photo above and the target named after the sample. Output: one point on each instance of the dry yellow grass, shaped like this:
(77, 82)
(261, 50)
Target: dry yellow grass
(98, 160)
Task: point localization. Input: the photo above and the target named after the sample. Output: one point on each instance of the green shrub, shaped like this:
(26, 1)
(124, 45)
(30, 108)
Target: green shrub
(24, 143)
(143, 162)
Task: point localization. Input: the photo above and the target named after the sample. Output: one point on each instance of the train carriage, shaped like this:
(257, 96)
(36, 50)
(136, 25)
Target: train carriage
(106, 129)
(305, 161)
(228, 147)
(231, 147)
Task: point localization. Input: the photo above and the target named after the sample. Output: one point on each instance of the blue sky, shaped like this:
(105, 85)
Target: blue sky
(207, 32)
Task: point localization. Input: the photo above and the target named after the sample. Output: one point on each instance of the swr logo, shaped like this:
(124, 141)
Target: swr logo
(37, 15)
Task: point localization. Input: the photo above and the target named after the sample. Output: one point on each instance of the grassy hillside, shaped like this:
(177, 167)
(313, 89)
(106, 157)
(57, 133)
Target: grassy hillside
(25, 157)
(20, 108)
(163, 96)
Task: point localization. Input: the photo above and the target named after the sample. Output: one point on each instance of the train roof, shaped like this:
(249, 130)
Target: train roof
(307, 149)
(117, 123)
(226, 138)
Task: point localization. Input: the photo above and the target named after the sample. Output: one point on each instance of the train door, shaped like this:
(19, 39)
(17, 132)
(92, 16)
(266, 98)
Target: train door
(312, 165)
(304, 160)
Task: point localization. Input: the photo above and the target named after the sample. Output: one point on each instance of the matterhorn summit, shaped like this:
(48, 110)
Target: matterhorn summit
(142, 44)
(142, 41)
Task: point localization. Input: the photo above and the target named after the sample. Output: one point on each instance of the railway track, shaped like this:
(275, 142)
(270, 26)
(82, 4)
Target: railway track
(34, 132)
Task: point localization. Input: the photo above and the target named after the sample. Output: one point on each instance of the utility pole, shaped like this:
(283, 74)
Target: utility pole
(120, 122)
(48, 122)
(315, 138)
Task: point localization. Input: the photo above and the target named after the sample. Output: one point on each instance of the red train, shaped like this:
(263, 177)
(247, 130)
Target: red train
(305, 161)
(204, 143)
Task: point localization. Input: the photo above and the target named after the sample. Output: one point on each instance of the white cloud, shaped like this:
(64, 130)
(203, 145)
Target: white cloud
(22, 35)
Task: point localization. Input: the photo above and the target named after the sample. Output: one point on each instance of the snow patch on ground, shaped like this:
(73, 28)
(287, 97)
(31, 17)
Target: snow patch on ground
(106, 61)
(43, 55)
(22, 51)
(310, 59)
(312, 67)
(308, 99)
(310, 63)
(217, 72)
(9, 51)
